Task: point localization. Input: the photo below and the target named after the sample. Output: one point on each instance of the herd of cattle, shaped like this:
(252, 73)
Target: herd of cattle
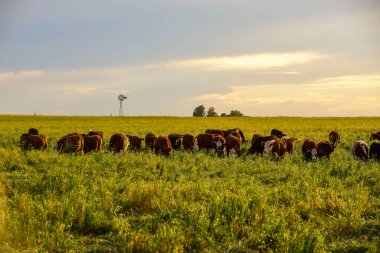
(221, 142)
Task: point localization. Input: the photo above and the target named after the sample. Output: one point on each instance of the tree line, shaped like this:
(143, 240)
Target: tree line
(200, 111)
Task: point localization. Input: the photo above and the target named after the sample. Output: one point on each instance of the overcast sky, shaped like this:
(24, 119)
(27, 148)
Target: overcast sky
(264, 58)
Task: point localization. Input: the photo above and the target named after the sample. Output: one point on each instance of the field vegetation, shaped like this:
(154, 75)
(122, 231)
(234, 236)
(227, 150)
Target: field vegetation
(140, 202)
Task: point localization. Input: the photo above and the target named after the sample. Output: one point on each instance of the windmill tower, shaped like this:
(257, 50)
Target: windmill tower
(121, 98)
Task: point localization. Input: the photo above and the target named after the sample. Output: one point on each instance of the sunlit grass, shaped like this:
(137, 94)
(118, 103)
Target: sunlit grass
(187, 202)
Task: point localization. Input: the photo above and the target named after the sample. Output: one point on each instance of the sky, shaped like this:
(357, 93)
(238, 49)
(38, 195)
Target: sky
(263, 58)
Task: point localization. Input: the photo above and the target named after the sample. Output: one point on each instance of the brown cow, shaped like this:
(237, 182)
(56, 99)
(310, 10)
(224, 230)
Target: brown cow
(233, 146)
(289, 143)
(118, 143)
(325, 148)
(189, 143)
(257, 147)
(236, 134)
(100, 133)
(334, 138)
(162, 146)
(70, 143)
(92, 143)
(218, 144)
(135, 142)
(275, 148)
(214, 131)
(360, 150)
(375, 136)
(150, 139)
(33, 131)
(175, 140)
(204, 141)
(309, 150)
(34, 142)
(255, 137)
(240, 132)
(374, 151)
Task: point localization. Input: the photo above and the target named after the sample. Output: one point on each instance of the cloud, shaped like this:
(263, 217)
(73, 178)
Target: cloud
(338, 96)
(246, 62)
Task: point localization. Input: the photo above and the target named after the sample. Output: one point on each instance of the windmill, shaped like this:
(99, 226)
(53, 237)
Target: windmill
(121, 98)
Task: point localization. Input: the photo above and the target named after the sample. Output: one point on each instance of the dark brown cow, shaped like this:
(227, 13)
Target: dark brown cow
(175, 140)
(334, 138)
(277, 133)
(276, 149)
(99, 133)
(214, 131)
(34, 142)
(375, 136)
(150, 139)
(255, 137)
(233, 145)
(257, 147)
(135, 142)
(204, 141)
(33, 131)
(70, 143)
(189, 143)
(325, 148)
(309, 150)
(360, 150)
(92, 143)
(118, 143)
(162, 146)
(374, 151)
(289, 143)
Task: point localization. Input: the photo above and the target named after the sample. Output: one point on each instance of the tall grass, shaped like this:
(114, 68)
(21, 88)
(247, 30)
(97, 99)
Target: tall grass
(140, 202)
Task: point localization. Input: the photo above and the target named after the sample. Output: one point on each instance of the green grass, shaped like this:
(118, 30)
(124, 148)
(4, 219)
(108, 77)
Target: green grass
(140, 202)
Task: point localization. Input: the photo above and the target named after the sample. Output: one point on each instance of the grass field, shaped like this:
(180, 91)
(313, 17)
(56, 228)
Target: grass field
(140, 202)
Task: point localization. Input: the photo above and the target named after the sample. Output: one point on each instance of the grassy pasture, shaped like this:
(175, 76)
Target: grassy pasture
(139, 202)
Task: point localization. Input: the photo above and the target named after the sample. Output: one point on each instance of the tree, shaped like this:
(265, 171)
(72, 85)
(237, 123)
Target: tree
(235, 113)
(211, 112)
(199, 111)
(223, 114)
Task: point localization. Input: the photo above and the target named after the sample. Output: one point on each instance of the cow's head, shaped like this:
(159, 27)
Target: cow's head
(268, 146)
(313, 154)
(195, 148)
(232, 153)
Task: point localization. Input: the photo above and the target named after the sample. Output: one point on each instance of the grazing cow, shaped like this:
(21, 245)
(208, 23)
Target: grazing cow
(255, 137)
(175, 140)
(325, 148)
(215, 142)
(23, 138)
(218, 144)
(309, 150)
(236, 134)
(374, 151)
(360, 150)
(150, 139)
(236, 129)
(277, 133)
(289, 143)
(118, 143)
(233, 146)
(214, 131)
(257, 147)
(70, 143)
(375, 136)
(276, 149)
(92, 143)
(189, 143)
(135, 142)
(33, 131)
(162, 146)
(334, 138)
(99, 133)
(34, 142)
